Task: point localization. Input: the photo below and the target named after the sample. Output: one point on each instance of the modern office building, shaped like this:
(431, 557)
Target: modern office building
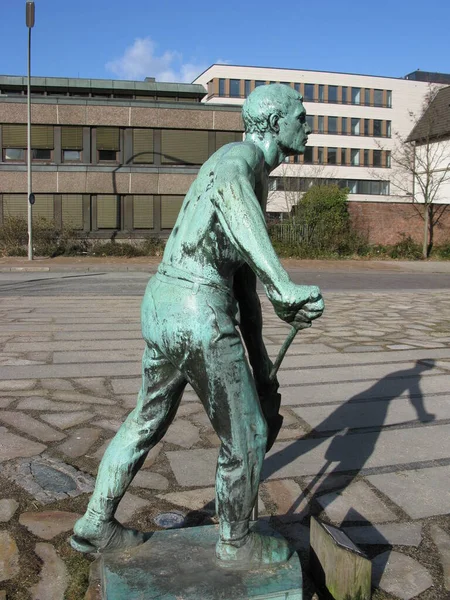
(111, 158)
(355, 121)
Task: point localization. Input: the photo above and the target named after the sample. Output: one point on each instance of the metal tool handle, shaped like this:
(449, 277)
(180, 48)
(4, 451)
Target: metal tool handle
(273, 373)
(281, 354)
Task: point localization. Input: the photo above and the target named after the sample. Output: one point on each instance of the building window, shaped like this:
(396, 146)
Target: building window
(343, 156)
(308, 155)
(344, 126)
(297, 88)
(355, 126)
(143, 146)
(366, 157)
(309, 92)
(14, 154)
(388, 128)
(356, 95)
(377, 158)
(344, 95)
(389, 98)
(247, 87)
(321, 93)
(108, 211)
(170, 207)
(332, 125)
(227, 137)
(41, 154)
(142, 212)
(366, 126)
(378, 97)
(107, 144)
(354, 157)
(72, 210)
(320, 155)
(16, 205)
(221, 87)
(388, 159)
(332, 93)
(71, 143)
(235, 88)
(367, 97)
(332, 156)
(310, 121)
(321, 125)
(184, 146)
(15, 142)
(258, 83)
(377, 128)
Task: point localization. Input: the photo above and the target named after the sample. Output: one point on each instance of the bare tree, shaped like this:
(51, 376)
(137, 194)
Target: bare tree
(421, 161)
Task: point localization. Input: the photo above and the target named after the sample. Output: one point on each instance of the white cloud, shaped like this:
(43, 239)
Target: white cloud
(140, 61)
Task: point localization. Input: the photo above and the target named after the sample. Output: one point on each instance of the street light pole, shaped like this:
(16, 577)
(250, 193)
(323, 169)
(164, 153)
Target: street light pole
(30, 24)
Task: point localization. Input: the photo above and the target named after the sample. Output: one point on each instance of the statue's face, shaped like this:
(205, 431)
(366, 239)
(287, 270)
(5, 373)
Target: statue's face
(294, 130)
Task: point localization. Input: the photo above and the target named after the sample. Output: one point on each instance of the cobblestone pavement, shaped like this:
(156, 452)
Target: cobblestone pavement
(365, 444)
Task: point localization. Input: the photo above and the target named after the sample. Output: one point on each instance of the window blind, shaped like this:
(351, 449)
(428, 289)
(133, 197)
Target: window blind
(72, 210)
(108, 138)
(14, 136)
(184, 146)
(71, 138)
(227, 137)
(143, 145)
(107, 211)
(142, 212)
(170, 207)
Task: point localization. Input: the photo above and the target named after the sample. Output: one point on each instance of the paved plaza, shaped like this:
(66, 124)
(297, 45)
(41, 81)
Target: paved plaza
(365, 443)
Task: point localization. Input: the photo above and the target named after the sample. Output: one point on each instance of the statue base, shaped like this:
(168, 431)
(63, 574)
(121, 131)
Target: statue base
(180, 564)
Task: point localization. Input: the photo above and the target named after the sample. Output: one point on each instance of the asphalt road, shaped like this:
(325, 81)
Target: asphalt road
(130, 283)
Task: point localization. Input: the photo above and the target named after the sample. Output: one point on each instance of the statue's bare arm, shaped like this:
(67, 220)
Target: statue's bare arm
(242, 219)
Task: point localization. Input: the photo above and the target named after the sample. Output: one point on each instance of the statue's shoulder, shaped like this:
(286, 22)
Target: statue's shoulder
(244, 153)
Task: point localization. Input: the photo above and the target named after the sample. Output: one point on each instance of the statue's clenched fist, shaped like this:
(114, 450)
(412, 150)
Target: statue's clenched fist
(299, 305)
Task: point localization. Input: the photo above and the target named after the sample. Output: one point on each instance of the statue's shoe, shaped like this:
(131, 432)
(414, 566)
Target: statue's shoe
(103, 536)
(256, 550)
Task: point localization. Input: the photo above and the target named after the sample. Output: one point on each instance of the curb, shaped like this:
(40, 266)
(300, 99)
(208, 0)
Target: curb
(23, 269)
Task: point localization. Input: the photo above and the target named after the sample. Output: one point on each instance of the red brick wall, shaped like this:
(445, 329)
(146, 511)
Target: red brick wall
(386, 222)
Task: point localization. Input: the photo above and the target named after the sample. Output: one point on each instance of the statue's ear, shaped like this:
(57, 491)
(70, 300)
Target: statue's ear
(273, 123)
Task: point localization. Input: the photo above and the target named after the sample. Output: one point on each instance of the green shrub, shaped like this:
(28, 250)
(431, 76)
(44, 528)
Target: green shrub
(442, 252)
(48, 240)
(407, 248)
(319, 227)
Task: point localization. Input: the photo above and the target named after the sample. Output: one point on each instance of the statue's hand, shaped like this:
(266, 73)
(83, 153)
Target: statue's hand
(299, 305)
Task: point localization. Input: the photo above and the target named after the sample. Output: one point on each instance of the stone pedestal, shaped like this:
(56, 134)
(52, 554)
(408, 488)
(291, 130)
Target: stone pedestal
(180, 564)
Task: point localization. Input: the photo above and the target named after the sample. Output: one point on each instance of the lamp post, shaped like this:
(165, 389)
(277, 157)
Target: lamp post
(30, 24)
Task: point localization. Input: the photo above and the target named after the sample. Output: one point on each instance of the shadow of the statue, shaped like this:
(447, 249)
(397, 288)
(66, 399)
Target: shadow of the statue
(351, 432)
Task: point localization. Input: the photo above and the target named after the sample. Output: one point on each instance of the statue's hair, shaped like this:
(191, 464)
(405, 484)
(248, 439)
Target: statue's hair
(264, 101)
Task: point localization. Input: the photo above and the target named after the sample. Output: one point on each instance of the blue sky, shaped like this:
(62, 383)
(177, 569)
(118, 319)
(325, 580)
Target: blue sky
(177, 40)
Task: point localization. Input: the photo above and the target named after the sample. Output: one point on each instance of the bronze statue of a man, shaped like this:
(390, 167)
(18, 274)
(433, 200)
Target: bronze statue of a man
(217, 249)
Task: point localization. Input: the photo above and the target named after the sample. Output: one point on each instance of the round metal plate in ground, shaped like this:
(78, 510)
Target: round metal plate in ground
(170, 520)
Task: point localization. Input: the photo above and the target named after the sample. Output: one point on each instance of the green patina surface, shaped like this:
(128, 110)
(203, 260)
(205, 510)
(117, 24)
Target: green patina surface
(217, 250)
(181, 565)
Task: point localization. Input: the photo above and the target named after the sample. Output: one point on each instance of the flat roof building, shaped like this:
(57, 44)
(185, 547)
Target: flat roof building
(356, 121)
(109, 157)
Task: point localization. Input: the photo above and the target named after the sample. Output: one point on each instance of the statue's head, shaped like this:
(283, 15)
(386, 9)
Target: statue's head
(277, 109)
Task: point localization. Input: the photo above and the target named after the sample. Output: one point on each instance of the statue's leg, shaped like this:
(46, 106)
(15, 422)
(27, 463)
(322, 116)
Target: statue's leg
(158, 401)
(231, 401)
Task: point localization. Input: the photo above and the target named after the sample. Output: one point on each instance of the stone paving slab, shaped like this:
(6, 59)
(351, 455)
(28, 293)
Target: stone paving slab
(393, 534)
(420, 493)
(400, 575)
